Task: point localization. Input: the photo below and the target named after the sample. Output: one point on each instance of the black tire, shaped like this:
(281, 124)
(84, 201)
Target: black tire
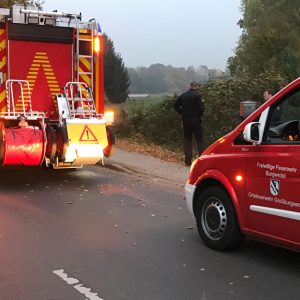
(108, 150)
(216, 219)
(51, 142)
(62, 142)
(47, 167)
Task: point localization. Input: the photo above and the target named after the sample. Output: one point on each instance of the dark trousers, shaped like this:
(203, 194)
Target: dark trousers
(192, 126)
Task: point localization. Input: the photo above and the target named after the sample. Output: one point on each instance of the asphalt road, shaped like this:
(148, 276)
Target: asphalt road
(97, 234)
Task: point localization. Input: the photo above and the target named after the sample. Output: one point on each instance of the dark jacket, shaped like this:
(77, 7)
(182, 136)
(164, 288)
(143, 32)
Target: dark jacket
(189, 104)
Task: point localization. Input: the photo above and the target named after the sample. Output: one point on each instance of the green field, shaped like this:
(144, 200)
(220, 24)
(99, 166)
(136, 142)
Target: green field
(139, 103)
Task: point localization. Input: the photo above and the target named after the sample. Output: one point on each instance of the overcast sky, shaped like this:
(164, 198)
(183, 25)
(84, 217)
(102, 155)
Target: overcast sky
(172, 32)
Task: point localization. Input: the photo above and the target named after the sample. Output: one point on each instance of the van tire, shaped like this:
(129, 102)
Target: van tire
(216, 220)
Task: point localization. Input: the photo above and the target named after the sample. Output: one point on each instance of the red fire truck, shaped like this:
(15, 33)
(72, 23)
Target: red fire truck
(51, 90)
(247, 183)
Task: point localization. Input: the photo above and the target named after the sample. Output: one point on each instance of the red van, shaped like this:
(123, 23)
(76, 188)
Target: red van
(248, 182)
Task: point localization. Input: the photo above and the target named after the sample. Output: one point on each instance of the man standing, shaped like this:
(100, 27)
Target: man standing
(267, 95)
(190, 106)
(276, 117)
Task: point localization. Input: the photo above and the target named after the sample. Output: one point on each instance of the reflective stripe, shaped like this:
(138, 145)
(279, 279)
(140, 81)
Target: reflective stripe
(288, 214)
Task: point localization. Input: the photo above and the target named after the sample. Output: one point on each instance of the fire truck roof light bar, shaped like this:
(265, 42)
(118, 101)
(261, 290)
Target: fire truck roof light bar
(51, 14)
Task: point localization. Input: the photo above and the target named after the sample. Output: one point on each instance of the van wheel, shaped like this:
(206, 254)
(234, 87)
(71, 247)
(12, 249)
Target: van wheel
(216, 220)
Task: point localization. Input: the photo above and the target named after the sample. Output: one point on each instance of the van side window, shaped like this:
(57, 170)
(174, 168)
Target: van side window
(283, 121)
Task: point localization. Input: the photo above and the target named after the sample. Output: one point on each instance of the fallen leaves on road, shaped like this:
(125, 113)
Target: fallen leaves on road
(151, 149)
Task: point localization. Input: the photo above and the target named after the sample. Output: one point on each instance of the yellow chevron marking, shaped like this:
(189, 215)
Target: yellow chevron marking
(86, 63)
(3, 44)
(3, 95)
(44, 57)
(86, 79)
(40, 60)
(2, 98)
(3, 62)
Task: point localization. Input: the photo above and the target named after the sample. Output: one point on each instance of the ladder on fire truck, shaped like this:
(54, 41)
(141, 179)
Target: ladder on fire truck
(21, 106)
(80, 100)
(86, 32)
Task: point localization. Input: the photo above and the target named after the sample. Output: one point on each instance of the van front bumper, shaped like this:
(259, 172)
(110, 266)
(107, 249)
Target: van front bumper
(189, 196)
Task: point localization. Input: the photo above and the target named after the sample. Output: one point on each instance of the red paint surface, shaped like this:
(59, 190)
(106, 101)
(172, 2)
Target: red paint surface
(23, 146)
(22, 54)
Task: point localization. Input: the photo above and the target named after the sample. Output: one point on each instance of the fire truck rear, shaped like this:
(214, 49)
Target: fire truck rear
(51, 90)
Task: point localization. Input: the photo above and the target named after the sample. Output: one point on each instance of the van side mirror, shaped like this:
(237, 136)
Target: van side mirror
(252, 133)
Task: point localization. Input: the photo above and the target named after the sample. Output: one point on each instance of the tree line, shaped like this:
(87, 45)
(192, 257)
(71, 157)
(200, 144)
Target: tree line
(158, 78)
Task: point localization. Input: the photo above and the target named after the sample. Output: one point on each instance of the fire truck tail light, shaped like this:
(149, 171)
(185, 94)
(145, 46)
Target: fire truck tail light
(239, 178)
(96, 45)
(109, 116)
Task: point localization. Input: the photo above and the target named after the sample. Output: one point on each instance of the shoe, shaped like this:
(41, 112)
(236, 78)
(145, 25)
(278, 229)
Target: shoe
(187, 164)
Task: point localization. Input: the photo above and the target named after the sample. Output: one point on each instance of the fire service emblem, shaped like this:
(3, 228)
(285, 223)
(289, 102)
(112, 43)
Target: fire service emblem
(274, 187)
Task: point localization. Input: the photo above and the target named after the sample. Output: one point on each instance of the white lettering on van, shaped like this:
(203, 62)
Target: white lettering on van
(265, 166)
(282, 201)
(273, 170)
(286, 169)
(275, 175)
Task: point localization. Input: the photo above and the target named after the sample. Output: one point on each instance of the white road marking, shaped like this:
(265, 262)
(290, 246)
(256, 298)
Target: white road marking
(76, 285)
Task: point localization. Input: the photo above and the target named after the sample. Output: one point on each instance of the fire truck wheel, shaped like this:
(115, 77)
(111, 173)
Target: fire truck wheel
(108, 150)
(216, 220)
(62, 142)
(51, 142)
